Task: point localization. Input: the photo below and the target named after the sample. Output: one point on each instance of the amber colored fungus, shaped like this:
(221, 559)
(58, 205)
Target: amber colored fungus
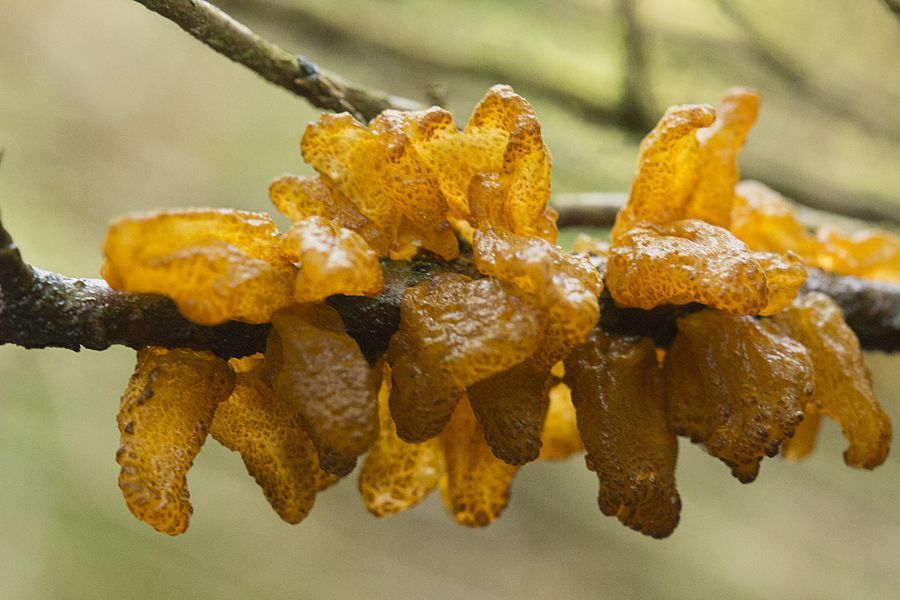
(300, 198)
(617, 391)
(872, 254)
(717, 170)
(397, 475)
(764, 220)
(510, 406)
(473, 382)
(332, 260)
(378, 170)
(843, 387)
(320, 370)
(667, 169)
(164, 415)
(475, 486)
(692, 261)
(271, 439)
(560, 438)
(455, 332)
(215, 264)
(802, 444)
(567, 286)
(736, 386)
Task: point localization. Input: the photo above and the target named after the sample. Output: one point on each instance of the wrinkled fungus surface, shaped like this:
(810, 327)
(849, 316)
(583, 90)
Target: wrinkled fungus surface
(693, 261)
(475, 487)
(164, 416)
(736, 387)
(453, 333)
(332, 260)
(215, 264)
(270, 436)
(397, 475)
(507, 364)
(843, 388)
(618, 396)
(320, 371)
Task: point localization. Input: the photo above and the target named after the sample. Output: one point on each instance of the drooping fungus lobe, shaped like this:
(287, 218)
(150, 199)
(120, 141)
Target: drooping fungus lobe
(511, 406)
(843, 388)
(560, 438)
(618, 395)
(475, 487)
(453, 333)
(164, 416)
(736, 387)
(397, 475)
(318, 369)
(270, 436)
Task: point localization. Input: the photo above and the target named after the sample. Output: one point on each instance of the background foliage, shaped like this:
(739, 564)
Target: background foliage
(106, 108)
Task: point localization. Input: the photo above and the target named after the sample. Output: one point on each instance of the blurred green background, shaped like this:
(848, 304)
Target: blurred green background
(106, 108)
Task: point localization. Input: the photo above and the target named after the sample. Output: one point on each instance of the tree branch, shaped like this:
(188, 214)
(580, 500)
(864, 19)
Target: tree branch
(329, 91)
(893, 6)
(636, 105)
(295, 73)
(39, 309)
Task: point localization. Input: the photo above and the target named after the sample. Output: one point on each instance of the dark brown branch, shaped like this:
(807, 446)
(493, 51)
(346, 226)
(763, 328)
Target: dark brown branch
(39, 309)
(295, 73)
(893, 6)
(871, 308)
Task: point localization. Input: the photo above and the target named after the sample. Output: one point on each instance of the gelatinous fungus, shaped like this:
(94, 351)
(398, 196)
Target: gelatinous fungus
(164, 416)
(618, 396)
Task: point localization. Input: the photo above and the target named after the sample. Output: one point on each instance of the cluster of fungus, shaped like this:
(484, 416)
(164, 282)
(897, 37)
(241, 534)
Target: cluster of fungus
(498, 359)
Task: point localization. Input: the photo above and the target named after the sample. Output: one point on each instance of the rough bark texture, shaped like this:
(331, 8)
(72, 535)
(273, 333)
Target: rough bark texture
(39, 309)
(295, 73)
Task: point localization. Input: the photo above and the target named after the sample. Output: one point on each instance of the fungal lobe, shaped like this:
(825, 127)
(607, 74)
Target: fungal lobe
(317, 368)
(163, 419)
(454, 332)
(217, 265)
(736, 386)
(475, 487)
(617, 391)
(397, 475)
(332, 260)
(271, 439)
(843, 387)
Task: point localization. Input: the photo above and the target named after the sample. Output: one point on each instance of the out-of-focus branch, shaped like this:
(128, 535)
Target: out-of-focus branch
(893, 6)
(39, 309)
(588, 209)
(796, 77)
(636, 105)
(329, 91)
(295, 73)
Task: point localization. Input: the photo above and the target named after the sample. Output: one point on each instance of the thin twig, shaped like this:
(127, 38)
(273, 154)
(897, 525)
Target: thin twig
(893, 6)
(637, 105)
(295, 73)
(327, 90)
(795, 76)
(589, 209)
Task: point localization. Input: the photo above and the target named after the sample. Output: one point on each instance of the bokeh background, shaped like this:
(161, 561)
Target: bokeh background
(107, 108)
